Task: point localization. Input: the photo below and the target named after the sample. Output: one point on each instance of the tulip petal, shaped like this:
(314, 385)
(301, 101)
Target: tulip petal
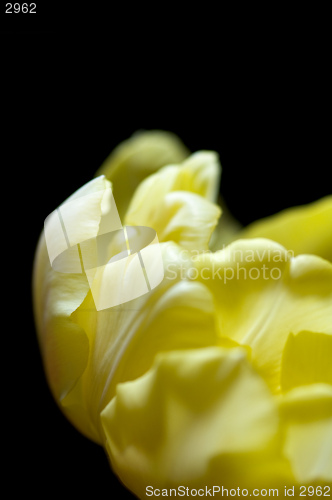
(307, 417)
(304, 229)
(173, 202)
(199, 174)
(191, 409)
(136, 158)
(307, 359)
(261, 295)
(64, 344)
(182, 217)
(226, 230)
(125, 339)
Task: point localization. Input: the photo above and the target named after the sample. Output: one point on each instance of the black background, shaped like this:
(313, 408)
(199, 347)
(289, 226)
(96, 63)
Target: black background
(263, 109)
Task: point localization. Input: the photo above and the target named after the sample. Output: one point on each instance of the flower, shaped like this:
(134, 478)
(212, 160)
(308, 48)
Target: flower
(219, 375)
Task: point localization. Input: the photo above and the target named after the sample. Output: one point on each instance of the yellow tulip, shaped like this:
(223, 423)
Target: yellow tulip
(220, 376)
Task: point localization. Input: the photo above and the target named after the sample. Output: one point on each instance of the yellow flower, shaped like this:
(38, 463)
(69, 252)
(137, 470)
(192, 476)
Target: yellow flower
(220, 375)
(82, 347)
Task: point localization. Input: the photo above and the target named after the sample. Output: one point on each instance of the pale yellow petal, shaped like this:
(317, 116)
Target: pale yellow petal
(226, 230)
(178, 314)
(136, 158)
(173, 201)
(304, 229)
(307, 359)
(64, 344)
(307, 419)
(182, 217)
(199, 174)
(198, 418)
(261, 295)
